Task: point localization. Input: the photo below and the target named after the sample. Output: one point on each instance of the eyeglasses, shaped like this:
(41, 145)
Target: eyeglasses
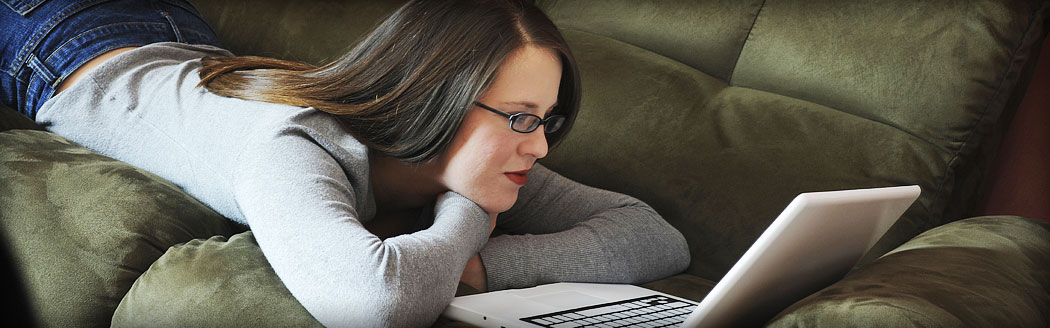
(527, 122)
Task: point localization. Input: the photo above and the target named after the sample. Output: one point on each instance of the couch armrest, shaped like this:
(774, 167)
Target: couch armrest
(984, 271)
(80, 227)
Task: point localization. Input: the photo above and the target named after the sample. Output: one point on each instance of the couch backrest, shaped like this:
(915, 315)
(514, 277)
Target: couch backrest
(888, 61)
(313, 32)
(719, 112)
(706, 35)
(817, 95)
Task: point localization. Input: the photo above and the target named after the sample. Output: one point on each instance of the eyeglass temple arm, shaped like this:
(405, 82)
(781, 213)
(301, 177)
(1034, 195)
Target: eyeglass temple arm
(501, 113)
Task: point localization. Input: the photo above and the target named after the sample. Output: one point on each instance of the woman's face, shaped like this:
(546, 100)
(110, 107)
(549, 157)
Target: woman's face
(486, 160)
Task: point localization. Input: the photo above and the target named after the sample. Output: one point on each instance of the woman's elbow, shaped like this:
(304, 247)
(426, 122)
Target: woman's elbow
(672, 245)
(678, 249)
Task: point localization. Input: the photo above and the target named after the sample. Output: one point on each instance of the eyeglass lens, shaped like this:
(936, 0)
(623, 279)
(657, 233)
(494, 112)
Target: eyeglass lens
(527, 123)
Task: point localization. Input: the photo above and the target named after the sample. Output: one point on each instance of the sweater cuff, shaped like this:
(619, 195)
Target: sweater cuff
(502, 268)
(521, 261)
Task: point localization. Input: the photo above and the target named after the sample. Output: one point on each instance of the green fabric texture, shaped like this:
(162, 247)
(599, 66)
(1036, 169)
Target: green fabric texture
(82, 227)
(312, 32)
(891, 66)
(716, 113)
(222, 282)
(941, 70)
(212, 283)
(706, 35)
(734, 156)
(979, 272)
(703, 141)
(11, 120)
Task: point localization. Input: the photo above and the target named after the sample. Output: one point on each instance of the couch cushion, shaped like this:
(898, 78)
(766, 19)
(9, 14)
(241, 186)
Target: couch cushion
(82, 227)
(706, 35)
(933, 69)
(978, 272)
(818, 101)
(944, 71)
(285, 29)
(719, 162)
(222, 282)
(212, 283)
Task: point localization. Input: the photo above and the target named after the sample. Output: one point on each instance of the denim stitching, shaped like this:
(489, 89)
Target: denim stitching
(189, 8)
(23, 6)
(174, 28)
(98, 29)
(183, 6)
(101, 32)
(16, 76)
(199, 38)
(89, 58)
(32, 100)
(39, 68)
(38, 36)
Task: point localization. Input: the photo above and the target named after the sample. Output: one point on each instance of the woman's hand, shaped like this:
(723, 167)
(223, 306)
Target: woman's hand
(474, 273)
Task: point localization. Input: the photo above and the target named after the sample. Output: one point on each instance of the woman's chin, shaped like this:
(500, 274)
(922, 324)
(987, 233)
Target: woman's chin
(497, 204)
(491, 202)
(497, 207)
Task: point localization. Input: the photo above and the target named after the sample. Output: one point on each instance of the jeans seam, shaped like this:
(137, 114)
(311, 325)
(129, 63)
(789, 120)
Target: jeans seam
(201, 37)
(23, 54)
(89, 58)
(96, 29)
(9, 72)
(192, 10)
(87, 34)
(174, 27)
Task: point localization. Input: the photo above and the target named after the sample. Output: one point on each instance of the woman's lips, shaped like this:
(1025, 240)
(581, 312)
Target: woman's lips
(519, 177)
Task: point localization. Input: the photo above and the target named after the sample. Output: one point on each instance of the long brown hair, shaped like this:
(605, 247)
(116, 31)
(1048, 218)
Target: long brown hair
(405, 89)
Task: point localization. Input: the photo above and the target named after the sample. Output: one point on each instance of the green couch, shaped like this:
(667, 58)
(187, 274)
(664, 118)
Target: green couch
(716, 113)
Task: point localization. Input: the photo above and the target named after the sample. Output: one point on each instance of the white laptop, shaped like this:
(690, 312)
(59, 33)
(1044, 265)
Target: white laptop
(814, 242)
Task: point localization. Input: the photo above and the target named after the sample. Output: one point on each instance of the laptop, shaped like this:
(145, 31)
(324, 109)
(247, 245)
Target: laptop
(814, 242)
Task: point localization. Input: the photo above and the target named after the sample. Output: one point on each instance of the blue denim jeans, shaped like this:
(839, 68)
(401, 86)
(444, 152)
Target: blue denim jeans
(43, 41)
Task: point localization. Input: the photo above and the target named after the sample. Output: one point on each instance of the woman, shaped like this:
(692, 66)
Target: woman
(371, 183)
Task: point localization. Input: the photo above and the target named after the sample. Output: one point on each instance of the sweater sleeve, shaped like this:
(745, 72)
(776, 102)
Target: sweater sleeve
(561, 230)
(300, 204)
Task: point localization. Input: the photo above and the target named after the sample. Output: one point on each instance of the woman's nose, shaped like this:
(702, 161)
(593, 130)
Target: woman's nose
(535, 144)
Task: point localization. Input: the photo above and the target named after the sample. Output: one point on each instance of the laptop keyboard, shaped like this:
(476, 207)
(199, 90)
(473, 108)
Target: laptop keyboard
(649, 311)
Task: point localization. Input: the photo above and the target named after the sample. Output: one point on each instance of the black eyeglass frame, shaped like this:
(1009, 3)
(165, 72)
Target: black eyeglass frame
(542, 121)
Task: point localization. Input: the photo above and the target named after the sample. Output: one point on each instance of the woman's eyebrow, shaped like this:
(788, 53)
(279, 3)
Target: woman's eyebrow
(531, 105)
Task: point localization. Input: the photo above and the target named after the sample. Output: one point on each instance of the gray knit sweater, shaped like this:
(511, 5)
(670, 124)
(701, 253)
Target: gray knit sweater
(301, 183)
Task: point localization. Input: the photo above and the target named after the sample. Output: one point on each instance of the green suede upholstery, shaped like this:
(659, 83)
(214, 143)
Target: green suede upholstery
(11, 120)
(81, 227)
(198, 275)
(717, 113)
(1003, 262)
(799, 111)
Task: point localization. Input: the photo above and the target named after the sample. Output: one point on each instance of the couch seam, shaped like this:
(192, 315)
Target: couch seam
(625, 42)
(966, 142)
(750, 30)
(939, 148)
